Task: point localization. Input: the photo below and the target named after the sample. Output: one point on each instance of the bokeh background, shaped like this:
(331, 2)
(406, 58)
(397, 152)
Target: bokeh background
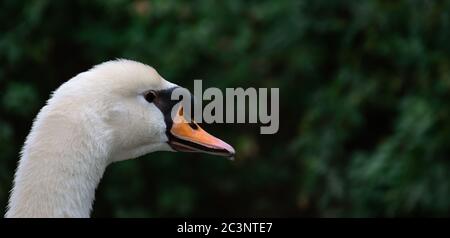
(364, 101)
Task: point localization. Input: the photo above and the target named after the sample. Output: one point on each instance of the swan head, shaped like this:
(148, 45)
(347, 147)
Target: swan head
(129, 105)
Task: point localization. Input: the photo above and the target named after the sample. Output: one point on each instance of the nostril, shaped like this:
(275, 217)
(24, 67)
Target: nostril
(193, 126)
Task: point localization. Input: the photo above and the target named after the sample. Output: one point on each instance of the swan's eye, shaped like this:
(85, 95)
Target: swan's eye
(150, 96)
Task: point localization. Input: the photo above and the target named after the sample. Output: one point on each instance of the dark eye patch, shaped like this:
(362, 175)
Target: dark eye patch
(165, 104)
(150, 96)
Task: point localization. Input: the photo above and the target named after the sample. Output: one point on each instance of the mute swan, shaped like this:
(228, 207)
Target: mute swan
(117, 110)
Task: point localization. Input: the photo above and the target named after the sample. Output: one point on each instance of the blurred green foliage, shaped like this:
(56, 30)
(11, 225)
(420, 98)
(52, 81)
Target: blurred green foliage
(364, 111)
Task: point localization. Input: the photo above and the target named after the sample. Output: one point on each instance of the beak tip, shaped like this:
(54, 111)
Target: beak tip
(231, 151)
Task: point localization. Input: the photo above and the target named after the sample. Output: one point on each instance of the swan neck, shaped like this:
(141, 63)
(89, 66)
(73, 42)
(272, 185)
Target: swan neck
(58, 172)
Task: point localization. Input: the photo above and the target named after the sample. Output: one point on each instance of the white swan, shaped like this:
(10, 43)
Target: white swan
(118, 110)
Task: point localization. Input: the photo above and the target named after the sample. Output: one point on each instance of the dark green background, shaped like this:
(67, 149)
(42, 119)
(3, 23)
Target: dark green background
(364, 101)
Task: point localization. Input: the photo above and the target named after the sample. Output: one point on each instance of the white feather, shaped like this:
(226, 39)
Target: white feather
(93, 119)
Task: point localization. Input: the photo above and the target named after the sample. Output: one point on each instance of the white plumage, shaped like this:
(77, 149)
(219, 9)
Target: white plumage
(96, 118)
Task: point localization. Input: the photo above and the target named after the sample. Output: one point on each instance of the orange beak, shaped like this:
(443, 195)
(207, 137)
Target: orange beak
(190, 137)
